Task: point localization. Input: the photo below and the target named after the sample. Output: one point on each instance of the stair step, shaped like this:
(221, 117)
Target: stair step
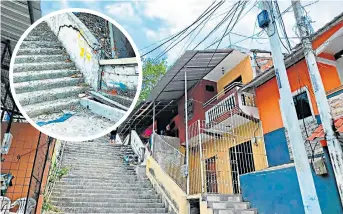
(40, 44)
(37, 85)
(111, 210)
(29, 98)
(34, 51)
(227, 204)
(126, 179)
(99, 184)
(105, 195)
(109, 204)
(233, 211)
(231, 198)
(47, 37)
(22, 67)
(41, 75)
(50, 107)
(97, 199)
(41, 58)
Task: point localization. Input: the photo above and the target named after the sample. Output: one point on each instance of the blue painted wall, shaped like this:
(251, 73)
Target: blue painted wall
(277, 191)
(276, 147)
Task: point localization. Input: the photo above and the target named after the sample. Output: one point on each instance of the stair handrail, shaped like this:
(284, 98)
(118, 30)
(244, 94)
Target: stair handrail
(179, 179)
(137, 146)
(51, 185)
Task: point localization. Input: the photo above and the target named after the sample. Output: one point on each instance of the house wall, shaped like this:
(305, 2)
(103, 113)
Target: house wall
(24, 144)
(277, 191)
(200, 96)
(243, 69)
(219, 148)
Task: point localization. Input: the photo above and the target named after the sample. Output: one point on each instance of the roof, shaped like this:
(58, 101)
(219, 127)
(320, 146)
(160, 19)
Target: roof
(15, 19)
(290, 59)
(318, 133)
(197, 64)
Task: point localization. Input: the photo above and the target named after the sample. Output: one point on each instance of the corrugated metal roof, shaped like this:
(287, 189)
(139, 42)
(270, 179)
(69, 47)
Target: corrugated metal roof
(15, 19)
(197, 64)
(171, 88)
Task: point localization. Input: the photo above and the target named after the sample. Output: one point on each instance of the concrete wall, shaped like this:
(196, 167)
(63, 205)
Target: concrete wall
(171, 193)
(80, 45)
(126, 75)
(277, 191)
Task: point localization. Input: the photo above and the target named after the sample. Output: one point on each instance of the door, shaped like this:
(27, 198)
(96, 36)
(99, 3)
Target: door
(211, 175)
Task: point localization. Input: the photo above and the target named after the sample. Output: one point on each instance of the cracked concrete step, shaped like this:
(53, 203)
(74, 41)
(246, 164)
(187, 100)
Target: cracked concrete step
(40, 44)
(233, 211)
(59, 200)
(47, 37)
(41, 33)
(126, 101)
(41, 75)
(51, 106)
(29, 98)
(109, 204)
(41, 58)
(111, 210)
(46, 51)
(103, 174)
(37, 66)
(37, 85)
(97, 170)
(227, 204)
(105, 191)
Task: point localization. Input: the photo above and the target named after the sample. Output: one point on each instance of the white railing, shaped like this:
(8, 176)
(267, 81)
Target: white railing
(219, 154)
(137, 146)
(170, 160)
(245, 101)
(221, 108)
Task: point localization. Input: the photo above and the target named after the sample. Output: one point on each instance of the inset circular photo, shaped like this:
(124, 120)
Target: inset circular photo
(75, 74)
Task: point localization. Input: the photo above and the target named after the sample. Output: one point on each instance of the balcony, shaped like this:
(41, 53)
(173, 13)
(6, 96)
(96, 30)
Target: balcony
(228, 103)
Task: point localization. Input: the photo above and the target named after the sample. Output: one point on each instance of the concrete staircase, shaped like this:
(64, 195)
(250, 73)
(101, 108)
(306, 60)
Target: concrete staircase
(45, 80)
(228, 204)
(99, 181)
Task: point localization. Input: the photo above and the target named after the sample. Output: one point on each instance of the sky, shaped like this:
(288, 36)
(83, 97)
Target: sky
(149, 21)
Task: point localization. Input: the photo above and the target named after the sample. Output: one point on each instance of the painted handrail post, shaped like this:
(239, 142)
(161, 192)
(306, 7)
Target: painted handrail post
(201, 158)
(289, 115)
(153, 129)
(334, 147)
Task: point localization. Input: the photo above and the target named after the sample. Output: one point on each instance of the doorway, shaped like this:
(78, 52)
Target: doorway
(211, 175)
(241, 162)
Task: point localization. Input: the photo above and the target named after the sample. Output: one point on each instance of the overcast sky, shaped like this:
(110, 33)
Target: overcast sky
(150, 21)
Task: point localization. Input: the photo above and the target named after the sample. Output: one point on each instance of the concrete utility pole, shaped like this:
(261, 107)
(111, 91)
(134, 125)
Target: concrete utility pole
(186, 124)
(289, 117)
(334, 147)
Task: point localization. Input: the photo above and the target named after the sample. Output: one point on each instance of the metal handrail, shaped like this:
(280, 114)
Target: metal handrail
(219, 94)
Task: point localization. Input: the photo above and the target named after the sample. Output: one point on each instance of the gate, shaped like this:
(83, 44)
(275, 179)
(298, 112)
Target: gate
(221, 152)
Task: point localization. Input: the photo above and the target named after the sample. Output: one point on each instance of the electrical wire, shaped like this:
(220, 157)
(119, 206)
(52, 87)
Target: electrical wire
(185, 29)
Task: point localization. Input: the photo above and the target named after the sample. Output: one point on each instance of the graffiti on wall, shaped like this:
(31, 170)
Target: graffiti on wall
(85, 51)
(336, 105)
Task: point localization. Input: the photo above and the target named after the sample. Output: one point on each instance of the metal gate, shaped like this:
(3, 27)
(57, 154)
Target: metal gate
(221, 152)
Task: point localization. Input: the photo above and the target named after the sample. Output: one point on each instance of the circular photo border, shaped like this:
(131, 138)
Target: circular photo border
(107, 130)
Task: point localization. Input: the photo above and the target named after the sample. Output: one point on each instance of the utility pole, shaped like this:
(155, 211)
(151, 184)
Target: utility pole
(289, 116)
(334, 147)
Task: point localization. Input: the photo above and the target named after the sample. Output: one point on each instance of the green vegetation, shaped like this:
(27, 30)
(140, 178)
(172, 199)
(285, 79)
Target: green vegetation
(153, 71)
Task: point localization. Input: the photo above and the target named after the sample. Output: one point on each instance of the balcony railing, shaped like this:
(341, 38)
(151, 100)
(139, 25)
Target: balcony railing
(228, 102)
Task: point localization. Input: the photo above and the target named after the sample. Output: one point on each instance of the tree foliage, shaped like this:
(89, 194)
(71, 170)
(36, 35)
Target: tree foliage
(153, 71)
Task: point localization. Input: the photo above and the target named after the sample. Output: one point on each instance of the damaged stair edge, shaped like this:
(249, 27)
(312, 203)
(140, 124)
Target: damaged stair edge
(103, 110)
(108, 101)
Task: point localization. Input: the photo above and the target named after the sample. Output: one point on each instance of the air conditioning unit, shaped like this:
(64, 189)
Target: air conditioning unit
(6, 143)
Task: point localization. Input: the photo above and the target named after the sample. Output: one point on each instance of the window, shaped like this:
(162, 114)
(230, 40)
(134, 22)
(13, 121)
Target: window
(302, 105)
(189, 110)
(209, 88)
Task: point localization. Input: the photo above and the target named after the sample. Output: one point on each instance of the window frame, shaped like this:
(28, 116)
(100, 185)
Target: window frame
(300, 91)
